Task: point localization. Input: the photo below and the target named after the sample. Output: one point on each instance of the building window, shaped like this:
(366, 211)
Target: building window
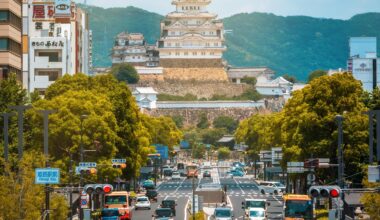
(186, 53)
(38, 25)
(177, 53)
(10, 18)
(177, 44)
(215, 44)
(195, 54)
(203, 53)
(170, 53)
(4, 16)
(207, 44)
(169, 44)
(7, 44)
(198, 22)
(53, 75)
(211, 53)
(172, 33)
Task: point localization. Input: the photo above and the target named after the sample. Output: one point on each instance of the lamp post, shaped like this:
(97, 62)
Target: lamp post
(339, 119)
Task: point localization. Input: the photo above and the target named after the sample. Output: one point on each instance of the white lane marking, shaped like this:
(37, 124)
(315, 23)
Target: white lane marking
(166, 198)
(187, 203)
(242, 191)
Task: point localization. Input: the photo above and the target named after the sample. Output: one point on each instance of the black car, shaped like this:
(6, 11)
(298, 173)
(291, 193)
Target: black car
(151, 194)
(169, 204)
(206, 174)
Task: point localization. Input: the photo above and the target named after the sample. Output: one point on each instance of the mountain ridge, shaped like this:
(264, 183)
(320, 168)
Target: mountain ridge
(294, 45)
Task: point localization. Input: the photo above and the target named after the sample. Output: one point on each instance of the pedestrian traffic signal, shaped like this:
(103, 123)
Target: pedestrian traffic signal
(98, 188)
(324, 191)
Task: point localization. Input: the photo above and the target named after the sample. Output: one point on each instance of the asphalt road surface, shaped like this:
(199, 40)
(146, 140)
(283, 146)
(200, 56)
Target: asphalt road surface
(238, 188)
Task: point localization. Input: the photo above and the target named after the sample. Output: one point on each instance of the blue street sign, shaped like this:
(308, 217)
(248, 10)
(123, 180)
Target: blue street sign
(47, 176)
(162, 150)
(87, 164)
(83, 202)
(119, 160)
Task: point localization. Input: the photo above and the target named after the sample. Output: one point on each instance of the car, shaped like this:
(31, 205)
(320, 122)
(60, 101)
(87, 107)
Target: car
(257, 214)
(167, 171)
(151, 194)
(113, 214)
(176, 176)
(279, 185)
(236, 173)
(142, 202)
(222, 214)
(206, 174)
(168, 203)
(238, 164)
(248, 203)
(163, 214)
(148, 184)
(268, 187)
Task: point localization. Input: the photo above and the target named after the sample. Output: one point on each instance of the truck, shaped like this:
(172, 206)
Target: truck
(297, 207)
(192, 171)
(118, 200)
(254, 203)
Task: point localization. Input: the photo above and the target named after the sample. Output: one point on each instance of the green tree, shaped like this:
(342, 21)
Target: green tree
(203, 121)
(290, 78)
(125, 73)
(249, 80)
(25, 199)
(310, 127)
(178, 120)
(224, 153)
(198, 151)
(211, 135)
(226, 122)
(316, 74)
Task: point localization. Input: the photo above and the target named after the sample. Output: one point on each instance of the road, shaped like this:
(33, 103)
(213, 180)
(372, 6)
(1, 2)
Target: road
(238, 188)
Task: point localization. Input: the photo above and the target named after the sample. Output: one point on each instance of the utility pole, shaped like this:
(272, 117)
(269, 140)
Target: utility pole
(82, 117)
(6, 128)
(340, 119)
(193, 196)
(45, 114)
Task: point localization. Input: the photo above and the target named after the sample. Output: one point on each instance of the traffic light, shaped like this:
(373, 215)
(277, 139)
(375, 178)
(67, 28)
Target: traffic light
(325, 191)
(119, 165)
(98, 188)
(88, 170)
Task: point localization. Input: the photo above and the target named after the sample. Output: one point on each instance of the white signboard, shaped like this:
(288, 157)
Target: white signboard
(373, 174)
(118, 160)
(87, 164)
(295, 164)
(295, 170)
(62, 8)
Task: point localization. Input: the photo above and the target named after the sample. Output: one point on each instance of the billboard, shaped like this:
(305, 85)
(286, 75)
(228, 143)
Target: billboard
(162, 150)
(362, 69)
(62, 8)
(184, 144)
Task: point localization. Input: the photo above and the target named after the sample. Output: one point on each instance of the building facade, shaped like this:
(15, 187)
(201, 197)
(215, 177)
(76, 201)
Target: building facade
(58, 42)
(363, 61)
(132, 48)
(146, 97)
(10, 38)
(262, 74)
(191, 33)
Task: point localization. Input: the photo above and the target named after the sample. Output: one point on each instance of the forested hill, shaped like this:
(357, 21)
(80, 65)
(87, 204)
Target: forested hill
(295, 45)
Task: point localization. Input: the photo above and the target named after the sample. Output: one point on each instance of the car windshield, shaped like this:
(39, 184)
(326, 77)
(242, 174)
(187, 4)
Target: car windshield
(223, 213)
(163, 212)
(256, 213)
(142, 199)
(116, 199)
(168, 203)
(279, 185)
(299, 209)
(110, 213)
(256, 204)
(175, 173)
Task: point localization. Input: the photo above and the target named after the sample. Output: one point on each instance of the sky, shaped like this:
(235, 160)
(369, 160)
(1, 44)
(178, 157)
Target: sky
(338, 9)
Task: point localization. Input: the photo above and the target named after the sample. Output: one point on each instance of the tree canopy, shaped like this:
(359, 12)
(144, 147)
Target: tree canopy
(224, 153)
(226, 122)
(316, 74)
(307, 126)
(125, 72)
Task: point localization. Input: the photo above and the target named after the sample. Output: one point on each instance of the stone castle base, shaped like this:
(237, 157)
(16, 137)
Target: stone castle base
(191, 63)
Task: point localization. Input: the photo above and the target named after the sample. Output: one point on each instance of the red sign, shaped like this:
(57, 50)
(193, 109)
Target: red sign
(50, 11)
(39, 11)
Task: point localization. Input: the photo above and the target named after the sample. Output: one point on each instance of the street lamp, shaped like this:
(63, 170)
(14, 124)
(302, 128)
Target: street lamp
(339, 119)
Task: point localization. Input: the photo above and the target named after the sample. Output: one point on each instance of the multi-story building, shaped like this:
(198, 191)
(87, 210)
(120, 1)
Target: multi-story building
(363, 61)
(10, 38)
(193, 34)
(132, 48)
(57, 41)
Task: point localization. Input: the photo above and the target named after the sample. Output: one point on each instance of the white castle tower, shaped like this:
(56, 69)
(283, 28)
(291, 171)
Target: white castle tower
(191, 34)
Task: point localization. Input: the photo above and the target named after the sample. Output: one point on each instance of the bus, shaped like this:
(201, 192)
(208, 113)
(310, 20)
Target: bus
(298, 207)
(118, 200)
(192, 171)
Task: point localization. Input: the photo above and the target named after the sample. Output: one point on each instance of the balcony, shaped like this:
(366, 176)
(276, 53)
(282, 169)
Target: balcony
(42, 82)
(44, 62)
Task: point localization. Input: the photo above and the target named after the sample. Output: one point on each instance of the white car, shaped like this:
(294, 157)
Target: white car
(268, 187)
(256, 214)
(142, 202)
(176, 176)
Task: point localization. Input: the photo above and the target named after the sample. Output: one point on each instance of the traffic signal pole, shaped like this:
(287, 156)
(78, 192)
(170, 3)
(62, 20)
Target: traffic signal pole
(45, 114)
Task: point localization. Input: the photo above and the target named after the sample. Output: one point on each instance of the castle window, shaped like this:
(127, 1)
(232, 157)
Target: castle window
(211, 53)
(186, 53)
(177, 53)
(215, 44)
(195, 54)
(203, 53)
